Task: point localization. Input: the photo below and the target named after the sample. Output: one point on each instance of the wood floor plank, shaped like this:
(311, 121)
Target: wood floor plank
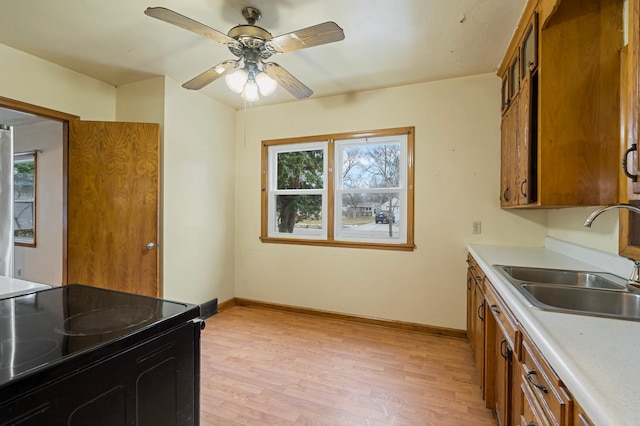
(266, 367)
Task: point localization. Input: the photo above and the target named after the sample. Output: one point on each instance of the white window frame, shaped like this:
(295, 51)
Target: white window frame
(28, 157)
(274, 191)
(401, 189)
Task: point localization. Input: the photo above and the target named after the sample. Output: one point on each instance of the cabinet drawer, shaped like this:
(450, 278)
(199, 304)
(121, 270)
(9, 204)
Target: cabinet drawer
(545, 385)
(531, 411)
(581, 418)
(503, 316)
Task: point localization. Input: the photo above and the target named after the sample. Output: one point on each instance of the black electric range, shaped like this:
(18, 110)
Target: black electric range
(70, 352)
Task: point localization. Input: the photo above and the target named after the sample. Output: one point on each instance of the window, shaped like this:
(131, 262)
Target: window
(24, 198)
(351, 189)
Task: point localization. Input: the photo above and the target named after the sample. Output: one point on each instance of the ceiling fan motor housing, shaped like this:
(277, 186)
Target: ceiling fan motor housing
(250, 36)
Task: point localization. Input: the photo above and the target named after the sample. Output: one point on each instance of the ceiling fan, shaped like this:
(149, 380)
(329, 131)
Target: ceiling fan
(249, 73)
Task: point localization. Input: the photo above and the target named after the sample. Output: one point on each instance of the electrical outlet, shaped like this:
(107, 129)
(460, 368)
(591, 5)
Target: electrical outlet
(477, 227)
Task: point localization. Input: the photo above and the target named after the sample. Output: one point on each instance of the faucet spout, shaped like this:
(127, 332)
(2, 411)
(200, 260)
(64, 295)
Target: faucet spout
(603, 209)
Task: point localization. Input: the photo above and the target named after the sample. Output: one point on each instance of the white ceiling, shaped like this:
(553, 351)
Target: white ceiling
(387, 42)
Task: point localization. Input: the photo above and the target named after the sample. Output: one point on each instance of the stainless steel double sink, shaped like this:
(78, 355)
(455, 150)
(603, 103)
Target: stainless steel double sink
(576, 292)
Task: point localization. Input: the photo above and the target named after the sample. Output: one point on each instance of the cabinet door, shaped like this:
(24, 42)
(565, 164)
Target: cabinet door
(630, 84)
(508, 155)
(529, 47)
(470, 288)
(523, 184)
(478, 332)
(503, 372)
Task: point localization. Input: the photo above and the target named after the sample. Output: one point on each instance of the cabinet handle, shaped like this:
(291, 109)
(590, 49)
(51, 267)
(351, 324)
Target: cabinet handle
(530, 375)
(505, 194)
(505, 350)
(634, 178)
(495, 309)
(524, 194)
(479, 308)
(469, 283)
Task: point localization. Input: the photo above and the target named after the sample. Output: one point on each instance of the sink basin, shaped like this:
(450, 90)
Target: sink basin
(576, 292)
(586, 301)
(563, 277)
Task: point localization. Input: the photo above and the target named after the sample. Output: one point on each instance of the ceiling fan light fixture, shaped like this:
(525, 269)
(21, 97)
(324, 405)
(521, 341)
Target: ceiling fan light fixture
(266, 84)
(237, 80)
(250, 92)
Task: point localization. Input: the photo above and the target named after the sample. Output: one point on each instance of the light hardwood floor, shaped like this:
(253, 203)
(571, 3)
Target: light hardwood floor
(265, 367)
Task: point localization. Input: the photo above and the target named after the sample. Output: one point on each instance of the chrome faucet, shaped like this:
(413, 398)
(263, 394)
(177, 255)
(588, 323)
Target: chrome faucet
(633, 283)
(603, 209)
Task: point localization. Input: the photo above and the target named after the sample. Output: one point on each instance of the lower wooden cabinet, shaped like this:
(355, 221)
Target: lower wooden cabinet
(476, 315)
(546, 387)
(517, 382)
(501, 337)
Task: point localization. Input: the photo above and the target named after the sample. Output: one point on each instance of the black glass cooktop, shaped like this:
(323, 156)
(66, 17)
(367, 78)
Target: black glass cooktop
(43, 328)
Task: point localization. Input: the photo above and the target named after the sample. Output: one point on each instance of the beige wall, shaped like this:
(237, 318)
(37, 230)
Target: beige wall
(566, 224)
(457, 182)
(199, 196)
(29, 79)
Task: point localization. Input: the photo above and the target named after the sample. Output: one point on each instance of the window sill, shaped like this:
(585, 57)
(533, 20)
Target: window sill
(345, 244)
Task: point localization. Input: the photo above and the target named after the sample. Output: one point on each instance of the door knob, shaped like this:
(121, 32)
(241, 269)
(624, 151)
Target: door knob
(150, 246)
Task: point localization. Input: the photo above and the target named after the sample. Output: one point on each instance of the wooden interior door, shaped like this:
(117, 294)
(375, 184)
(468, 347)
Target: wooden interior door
(112, 210)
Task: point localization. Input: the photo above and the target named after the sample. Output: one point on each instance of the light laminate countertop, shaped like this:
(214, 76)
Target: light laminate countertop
(598, 359)
(10, 287)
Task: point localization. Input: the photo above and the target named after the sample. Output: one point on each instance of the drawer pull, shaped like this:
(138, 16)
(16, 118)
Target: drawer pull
(530, 375)
(531, 423)
(495, 309)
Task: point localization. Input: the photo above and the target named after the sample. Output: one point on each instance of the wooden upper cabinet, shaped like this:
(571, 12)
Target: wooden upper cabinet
(566, 138)
(629, 235)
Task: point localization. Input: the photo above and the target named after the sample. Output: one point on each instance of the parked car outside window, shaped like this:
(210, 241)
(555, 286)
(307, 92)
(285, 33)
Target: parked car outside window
(383, 217)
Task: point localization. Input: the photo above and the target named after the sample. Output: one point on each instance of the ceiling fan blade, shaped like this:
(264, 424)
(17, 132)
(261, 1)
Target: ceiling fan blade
(287, 81)
(316, 35)
(189, 24)
(210, 75)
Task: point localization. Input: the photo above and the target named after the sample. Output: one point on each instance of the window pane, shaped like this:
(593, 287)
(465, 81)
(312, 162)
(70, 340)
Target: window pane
(301, 169)
(299, 214)
(370, 216)
(371, 166)
(23, 180)
(23, 218)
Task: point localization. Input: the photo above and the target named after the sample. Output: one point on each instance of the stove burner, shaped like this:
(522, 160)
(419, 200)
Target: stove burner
(15, 353)
(104, 321)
